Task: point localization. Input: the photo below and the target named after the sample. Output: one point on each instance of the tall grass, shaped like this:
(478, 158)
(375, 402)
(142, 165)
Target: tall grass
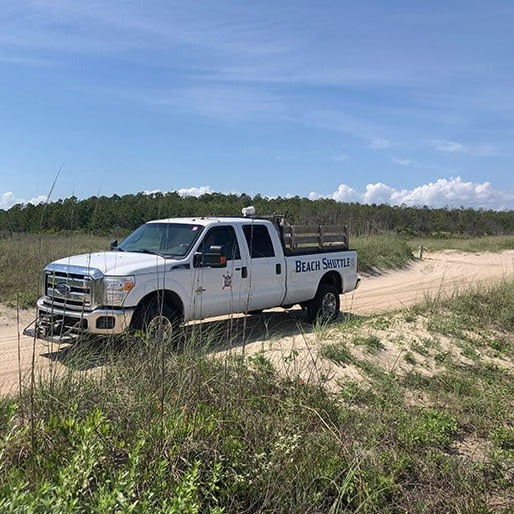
(478, 308)
(23, 257)
(464, 244)
(137, 425)
(156, 430)
(381, 252)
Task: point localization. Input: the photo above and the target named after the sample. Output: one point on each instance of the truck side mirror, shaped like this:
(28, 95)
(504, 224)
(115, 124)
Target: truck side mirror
(114, 244)
(214, 258)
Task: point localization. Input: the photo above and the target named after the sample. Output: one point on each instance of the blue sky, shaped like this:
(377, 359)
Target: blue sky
(376, 101)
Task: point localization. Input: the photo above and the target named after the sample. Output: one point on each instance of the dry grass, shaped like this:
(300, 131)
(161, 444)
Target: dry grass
(23, 257)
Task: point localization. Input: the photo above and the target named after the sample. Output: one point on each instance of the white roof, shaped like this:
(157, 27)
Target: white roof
(207, 220)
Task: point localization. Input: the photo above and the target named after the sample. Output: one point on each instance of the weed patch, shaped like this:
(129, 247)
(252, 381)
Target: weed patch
(371, 343)
(337, 353)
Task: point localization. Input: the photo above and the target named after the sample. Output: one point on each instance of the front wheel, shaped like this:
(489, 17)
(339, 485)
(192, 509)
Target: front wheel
(325, 305)
(158, 321)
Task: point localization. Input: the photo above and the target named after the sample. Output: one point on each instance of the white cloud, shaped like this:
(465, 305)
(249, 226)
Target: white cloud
(345, 193)
(153, 192)
(185, 191)
(339, 157)
(377, 193)
(443, 145)
(195, 191)
(7, 200)
(452, 192)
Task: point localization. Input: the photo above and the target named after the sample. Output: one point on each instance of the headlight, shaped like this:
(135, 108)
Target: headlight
(116, 289)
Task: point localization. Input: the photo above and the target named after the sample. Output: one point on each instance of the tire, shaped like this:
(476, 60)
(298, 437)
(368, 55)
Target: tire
(325, 305)
(158, 321)
(255, 312)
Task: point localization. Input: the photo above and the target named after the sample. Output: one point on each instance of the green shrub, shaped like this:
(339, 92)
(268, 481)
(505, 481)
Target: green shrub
(428, 427)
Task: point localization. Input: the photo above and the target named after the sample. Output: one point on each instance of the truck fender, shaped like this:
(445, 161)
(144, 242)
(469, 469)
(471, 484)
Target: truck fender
(165, 299)
(332, 278)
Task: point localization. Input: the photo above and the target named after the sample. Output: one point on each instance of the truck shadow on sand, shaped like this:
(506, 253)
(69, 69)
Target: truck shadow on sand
(206, 337)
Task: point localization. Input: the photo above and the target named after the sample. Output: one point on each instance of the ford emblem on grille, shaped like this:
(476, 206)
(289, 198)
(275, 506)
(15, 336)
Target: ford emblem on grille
(63, 288)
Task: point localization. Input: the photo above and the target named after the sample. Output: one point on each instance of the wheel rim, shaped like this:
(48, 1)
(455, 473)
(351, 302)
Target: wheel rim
(160, 327)
(329, 305)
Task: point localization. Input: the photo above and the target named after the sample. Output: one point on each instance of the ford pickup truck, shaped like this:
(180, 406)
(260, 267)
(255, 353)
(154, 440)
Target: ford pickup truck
(172, 271)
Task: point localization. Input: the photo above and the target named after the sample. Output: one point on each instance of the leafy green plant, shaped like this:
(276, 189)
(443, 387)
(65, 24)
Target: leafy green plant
(428, 427)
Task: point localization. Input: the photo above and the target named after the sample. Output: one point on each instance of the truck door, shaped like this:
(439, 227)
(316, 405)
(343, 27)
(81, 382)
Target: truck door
(266, 274)
(217, 291)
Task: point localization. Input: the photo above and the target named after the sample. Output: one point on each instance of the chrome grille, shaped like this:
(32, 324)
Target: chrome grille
(71, 287)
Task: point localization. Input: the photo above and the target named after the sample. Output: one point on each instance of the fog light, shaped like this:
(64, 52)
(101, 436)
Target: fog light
(105, 322)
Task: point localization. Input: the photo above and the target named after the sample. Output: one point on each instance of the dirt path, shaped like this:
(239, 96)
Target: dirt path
(438, 273)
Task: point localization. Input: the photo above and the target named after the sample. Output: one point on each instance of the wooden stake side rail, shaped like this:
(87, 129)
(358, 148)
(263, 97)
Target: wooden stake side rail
(320, 236)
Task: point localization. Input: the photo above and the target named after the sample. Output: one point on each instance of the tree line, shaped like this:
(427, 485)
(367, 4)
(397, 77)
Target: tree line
(102, 214)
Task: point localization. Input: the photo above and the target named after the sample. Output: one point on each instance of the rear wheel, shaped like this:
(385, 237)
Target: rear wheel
(325, 305)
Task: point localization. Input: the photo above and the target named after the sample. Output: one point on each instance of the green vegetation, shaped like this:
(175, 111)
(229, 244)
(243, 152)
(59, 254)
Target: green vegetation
(463, 244)
(179, 432)
(141, 426)
(129, 211)
(337, 353)
(477, 310)
(152, 428)
(381, 252)
(23, 257)
(379, 233)
(371, 343)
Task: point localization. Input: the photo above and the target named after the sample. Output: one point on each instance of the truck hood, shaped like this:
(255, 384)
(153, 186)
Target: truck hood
(117, 263)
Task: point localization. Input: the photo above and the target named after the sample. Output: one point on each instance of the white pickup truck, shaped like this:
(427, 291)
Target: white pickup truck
(182, 269)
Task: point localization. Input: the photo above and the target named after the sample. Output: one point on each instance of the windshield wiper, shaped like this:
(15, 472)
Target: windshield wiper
(146, 250)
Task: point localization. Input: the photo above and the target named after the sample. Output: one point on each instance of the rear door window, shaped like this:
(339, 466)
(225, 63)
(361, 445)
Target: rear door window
(259, 241)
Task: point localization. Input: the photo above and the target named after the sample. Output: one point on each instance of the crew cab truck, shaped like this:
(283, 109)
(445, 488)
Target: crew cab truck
(182, 269)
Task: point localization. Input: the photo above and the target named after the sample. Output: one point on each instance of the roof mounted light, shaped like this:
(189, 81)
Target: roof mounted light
(248, 212)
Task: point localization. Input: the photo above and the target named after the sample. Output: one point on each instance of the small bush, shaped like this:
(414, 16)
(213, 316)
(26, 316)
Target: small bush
(428, 427)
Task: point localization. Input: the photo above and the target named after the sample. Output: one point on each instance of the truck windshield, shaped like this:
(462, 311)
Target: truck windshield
(165, 239)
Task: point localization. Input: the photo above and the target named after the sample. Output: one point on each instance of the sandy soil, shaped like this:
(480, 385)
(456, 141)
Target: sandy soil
(278, 332)
(437, 274)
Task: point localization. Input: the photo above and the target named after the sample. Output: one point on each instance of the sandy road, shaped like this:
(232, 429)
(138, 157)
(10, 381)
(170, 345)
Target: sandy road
(438, 273)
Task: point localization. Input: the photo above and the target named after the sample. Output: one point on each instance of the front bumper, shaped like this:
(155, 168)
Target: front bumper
(63, 326)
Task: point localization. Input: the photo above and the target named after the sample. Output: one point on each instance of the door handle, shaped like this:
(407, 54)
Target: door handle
(244, 272)
(278, 268)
